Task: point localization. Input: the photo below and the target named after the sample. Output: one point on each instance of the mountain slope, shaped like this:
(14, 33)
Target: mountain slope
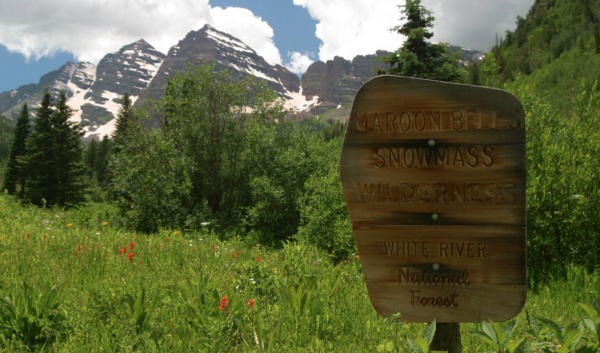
(227, 52)
(556, 48)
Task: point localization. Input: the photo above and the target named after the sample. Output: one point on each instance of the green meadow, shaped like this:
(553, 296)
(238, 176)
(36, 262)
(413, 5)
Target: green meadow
(73, 281)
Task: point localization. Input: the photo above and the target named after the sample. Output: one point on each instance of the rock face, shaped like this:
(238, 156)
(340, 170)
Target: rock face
(327, 89)
(227, 52)
(94, 92)
(129, 70)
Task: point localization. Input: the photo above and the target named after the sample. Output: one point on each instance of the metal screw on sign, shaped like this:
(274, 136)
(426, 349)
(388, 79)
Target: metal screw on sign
(436, 267)
(435, 216)
(431, 142)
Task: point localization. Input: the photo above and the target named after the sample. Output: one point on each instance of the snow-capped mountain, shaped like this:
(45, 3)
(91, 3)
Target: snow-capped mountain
(227, 52)
(93, 92)
(327, 89)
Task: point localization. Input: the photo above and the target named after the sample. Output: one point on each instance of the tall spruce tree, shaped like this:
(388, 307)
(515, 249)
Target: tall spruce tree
(53, 156)
(14, 174)
(71, 186)
(102, 163)
(39, 162)
(417, 57)
(124, 122)
(91, 153)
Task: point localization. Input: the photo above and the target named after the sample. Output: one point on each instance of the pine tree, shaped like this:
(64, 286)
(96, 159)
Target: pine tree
(14, 173)
(417, 57)
(91, 153)
(102, 159)
(53, 156)
(124, 121)
(70, 187)
(39, 160)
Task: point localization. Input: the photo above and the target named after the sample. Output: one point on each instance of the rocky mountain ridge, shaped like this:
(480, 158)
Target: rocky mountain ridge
(326, 89)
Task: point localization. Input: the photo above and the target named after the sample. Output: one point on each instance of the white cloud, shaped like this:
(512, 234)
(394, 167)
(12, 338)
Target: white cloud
(298, 62)
(357, 27)
(90, 29)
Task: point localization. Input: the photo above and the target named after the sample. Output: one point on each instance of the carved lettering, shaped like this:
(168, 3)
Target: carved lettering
(406, 277)
(459, 193)
(448, 302)
(434, 157)
(440, 120)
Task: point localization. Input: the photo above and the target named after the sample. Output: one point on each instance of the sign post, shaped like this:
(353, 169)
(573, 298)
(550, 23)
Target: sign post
(434, 179)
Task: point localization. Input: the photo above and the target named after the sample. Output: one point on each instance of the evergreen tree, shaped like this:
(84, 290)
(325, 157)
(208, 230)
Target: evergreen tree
(124, 122)
(39, 159)
(53, 156)
(102, 159)
(91, 153)
(70, 186)
(14, 173)
(417, 57)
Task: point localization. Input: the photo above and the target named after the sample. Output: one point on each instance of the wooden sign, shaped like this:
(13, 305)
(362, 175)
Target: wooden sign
(434, 178)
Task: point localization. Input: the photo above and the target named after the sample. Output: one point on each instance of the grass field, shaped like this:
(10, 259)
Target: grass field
(93, 287)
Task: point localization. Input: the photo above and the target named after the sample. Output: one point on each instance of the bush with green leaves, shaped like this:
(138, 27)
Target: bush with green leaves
(32, 315)
(563, 185)
(222, 154)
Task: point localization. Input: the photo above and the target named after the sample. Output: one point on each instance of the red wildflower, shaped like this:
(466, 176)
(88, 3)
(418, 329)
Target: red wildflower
(224, 303)
(124, 249)
(213, 247)
(121, 251)
(134, 238)
(168, 239)
(250, 303)
(131, 245)
(104, 255)
(258, 259)
(238, 253)
(85, 248)
(28, 235)
(44, 236)
(158, 246)
(130, 256)
(78, 247)
(76, 253)
(232, 255)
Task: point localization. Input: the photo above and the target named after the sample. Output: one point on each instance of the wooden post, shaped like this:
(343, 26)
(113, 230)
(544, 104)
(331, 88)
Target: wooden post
(446, 338)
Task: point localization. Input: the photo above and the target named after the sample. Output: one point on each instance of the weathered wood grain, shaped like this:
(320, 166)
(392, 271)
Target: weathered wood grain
(415, 148)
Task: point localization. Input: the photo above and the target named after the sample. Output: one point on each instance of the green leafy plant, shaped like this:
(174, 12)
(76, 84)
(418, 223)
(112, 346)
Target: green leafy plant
(33, 316)
(421, 345)
(500, 337)
(592, 322)
(140, 314)
(263, 341)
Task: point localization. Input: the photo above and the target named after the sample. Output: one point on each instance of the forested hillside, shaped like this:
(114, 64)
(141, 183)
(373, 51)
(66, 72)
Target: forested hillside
(556, 48)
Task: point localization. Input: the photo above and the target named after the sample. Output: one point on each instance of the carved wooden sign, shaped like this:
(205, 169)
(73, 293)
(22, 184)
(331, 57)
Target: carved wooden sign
(434, 178)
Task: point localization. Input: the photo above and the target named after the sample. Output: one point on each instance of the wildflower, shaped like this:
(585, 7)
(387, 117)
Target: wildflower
(28, 235)
(104, 223)
(224, 303)
(168, 239)
(175, 232)
(78, 247)
(44, 236)
(76, 253)
(251, 303)
(258, 259)
(103, 255)
(124, 249)
(238, 253)
(158, 246)
(130, 256)
(213, 247)
(68, 225)
(85, 248)
(134, 238)
(131, 245)
(357, 256)
(232, 255)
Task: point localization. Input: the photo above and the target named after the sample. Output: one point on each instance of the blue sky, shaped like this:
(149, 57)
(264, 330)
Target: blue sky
(37, 37)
